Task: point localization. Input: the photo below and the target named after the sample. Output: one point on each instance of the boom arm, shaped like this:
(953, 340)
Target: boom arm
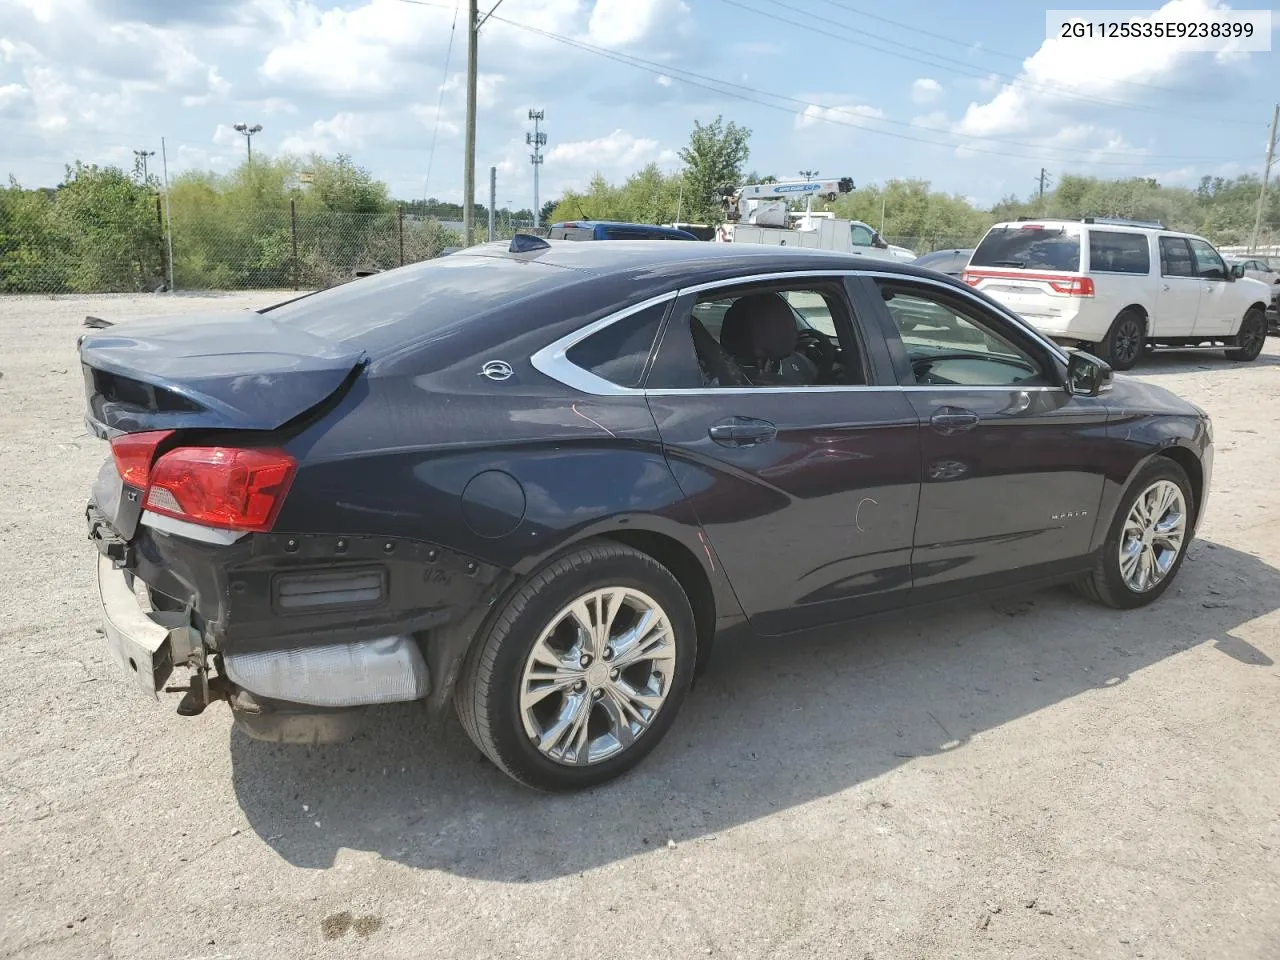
(739, 204)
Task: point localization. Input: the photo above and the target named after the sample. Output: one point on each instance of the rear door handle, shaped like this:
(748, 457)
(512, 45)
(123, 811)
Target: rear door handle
(949, 420)
(741, 431)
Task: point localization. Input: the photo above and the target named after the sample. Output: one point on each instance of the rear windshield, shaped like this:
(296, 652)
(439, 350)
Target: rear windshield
(381, 312)
(572, 233)
(1029, 247)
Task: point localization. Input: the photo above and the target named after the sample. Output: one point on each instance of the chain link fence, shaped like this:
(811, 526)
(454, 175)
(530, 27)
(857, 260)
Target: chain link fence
(134, 248)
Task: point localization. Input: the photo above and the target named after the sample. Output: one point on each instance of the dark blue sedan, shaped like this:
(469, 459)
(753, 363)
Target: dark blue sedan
(537, 482)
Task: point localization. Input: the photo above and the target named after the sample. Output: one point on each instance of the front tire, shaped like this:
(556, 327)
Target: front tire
(1124, 341)
(582, 671)
(1147, 541)
(1250, 339)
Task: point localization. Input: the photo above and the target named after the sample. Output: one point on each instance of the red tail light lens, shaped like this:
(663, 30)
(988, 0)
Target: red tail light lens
(1073, 286)
(134, 453)
(972, 279)
(236, 489)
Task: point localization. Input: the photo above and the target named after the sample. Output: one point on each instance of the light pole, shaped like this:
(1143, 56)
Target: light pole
(537, 140)
(808, 174)
(808, 206)
(140, 158)
(248, 132)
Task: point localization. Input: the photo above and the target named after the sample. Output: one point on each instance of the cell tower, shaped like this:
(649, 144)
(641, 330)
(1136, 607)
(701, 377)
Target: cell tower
(537, 140)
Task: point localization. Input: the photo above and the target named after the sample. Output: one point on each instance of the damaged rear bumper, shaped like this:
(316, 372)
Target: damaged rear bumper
(297, 695)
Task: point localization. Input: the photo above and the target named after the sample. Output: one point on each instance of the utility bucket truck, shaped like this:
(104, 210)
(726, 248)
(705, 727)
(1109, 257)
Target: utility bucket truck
(761, 213)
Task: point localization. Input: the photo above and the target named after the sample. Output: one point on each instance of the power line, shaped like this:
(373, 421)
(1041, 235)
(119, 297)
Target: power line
(969, 44)
(431, 157)
(752, 95)
(966, 69)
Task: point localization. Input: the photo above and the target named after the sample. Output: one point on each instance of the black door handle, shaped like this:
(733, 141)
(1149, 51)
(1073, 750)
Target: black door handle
(949, 420)
(741, 431)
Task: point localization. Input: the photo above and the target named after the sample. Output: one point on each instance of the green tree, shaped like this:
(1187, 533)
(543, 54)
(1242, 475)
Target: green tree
(713, 162)
(111, 228)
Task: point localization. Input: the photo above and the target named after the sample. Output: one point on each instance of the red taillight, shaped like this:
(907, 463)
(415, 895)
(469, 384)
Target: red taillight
(972, 279)
(134, 453)
(1073, 286)
(237, 489)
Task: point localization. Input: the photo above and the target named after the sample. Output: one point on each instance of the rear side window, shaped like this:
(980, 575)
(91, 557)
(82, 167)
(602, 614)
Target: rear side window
(1175, 258)
(1119, 252)
(620, 352)
(571, 233)
(1029, 247)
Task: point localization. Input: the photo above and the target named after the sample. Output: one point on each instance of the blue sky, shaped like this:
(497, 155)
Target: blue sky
(969, 96)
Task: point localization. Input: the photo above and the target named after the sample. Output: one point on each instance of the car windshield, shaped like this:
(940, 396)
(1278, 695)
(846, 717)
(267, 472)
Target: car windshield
(1029, 247)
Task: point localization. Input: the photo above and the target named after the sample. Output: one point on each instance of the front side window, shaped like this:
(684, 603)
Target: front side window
(774, 336)
(620, 352)
(951, 344)
(1175, 258)
(861, 236)
(1209, 265)
(1112, 252)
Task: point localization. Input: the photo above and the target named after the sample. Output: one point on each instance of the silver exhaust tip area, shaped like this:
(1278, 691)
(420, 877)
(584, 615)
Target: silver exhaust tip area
(387, 670)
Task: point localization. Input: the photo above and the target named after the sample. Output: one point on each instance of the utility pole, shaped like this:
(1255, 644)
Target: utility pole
(1044, 181)
(493, 202)
(469, 159)
(140, 156)
(1266, 176)
(537, 140)
(248, 132)
(168, 212)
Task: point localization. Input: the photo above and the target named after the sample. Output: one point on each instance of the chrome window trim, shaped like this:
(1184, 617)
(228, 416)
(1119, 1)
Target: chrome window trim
(551, 360)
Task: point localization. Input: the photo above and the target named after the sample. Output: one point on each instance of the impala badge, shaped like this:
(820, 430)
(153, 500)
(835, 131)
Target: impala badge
(497, 370)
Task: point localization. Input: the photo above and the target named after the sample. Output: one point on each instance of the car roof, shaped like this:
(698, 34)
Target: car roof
(681, 263)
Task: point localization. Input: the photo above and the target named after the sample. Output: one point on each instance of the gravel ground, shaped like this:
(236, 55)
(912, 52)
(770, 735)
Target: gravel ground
(1040, 778)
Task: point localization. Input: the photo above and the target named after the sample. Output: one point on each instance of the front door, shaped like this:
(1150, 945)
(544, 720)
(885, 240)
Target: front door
(1216, 315)
(804, 477)
(1178, 296)
(1007, 491)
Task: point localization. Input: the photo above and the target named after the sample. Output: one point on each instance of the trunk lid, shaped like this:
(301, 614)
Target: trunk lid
(239, 370)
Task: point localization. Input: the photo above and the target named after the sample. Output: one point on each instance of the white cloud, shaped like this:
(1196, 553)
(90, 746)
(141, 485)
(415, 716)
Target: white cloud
(839, 113)
(936, 120)
(925, 90)
(341, 133)
(15, 99)
(618, 23)
(617, 150)
(1061, 72)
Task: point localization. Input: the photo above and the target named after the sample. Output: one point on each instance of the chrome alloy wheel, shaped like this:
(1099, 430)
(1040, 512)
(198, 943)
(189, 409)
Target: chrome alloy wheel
(1153, 536)
(597, 676)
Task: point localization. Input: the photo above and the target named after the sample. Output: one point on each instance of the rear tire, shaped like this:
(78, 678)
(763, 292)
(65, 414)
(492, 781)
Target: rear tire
(1250, 339)
(558, 707)
(1142, 538)
(1124, 341)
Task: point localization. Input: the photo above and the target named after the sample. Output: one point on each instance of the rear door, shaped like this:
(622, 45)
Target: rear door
(808, 491)
(1178, 297)
(1011, 475)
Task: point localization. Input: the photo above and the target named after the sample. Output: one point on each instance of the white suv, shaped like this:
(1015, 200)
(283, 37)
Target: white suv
(1113, 287)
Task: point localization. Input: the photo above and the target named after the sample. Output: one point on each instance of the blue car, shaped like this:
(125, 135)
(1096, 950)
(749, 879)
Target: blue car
(613, 230)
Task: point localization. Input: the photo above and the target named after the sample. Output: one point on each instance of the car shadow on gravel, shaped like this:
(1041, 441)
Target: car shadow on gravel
(770, 726)
(1165, 362)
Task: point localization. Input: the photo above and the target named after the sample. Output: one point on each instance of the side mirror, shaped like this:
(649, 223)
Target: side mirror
(1237, 271)
(1087, 376)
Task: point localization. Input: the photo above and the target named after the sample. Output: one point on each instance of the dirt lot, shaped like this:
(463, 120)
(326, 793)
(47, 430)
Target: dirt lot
(1036, 779)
